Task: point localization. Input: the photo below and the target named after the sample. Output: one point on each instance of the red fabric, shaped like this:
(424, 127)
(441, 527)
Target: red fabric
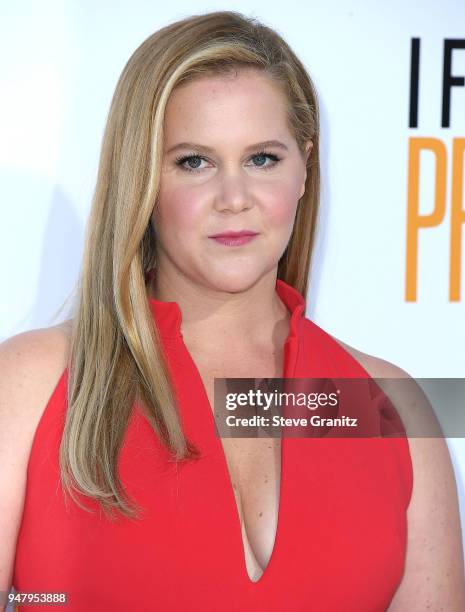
(341, 537)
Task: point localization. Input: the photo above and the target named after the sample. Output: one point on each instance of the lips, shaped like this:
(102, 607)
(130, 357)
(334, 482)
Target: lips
(231, 234)
(234, 239)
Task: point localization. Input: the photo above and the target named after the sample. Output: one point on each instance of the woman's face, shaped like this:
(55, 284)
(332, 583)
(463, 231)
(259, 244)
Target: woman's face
(219, 176)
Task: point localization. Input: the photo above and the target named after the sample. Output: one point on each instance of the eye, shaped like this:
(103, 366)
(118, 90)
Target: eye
(181, 161)
(262, 157)
(194, 161)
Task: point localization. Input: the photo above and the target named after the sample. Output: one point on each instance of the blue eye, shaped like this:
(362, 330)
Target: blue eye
(263, 155)
(197, 159)
(180, 161)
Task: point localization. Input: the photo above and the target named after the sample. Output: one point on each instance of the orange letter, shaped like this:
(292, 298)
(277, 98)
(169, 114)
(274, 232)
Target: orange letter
(456, 220)
(415, 221)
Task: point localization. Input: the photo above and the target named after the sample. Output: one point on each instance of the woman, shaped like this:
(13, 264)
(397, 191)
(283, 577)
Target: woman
(213, 130)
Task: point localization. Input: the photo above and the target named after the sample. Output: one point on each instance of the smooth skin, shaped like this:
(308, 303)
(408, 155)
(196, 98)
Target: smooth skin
(217, 286)
(223, 183)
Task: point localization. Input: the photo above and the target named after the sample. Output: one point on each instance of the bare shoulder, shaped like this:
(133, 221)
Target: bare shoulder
(375, 366)
(31, 364)
(434, 566)
(406, 394)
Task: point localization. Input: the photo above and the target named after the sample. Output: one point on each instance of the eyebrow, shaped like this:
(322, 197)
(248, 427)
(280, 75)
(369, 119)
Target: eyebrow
(258, 145)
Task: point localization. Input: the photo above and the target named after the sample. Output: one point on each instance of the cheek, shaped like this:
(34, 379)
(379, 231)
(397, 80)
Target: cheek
(179, 209)
(280, 207)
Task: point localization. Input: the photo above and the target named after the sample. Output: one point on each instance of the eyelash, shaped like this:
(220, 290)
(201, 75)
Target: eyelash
(182, 160)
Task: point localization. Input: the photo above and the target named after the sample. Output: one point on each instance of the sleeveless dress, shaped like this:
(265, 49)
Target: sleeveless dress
(341, 536)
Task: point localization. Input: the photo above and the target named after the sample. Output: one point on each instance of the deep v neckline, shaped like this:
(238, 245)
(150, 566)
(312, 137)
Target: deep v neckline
(232, 506)
(168, 319)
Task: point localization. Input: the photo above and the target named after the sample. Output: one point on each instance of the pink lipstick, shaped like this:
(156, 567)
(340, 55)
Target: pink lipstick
(231, 238)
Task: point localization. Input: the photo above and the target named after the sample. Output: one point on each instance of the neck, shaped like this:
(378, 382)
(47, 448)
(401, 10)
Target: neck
(255, 316)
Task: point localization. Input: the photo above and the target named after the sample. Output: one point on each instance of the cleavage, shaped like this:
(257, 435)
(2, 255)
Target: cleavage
(254, 468)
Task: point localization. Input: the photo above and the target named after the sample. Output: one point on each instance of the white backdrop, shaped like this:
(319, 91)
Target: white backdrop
(59, 65)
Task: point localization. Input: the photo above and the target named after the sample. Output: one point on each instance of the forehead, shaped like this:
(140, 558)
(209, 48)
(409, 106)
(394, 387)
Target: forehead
(231, 105)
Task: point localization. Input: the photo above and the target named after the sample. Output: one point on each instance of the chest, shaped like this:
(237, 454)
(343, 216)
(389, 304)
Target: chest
(340, 543)
(254, 468)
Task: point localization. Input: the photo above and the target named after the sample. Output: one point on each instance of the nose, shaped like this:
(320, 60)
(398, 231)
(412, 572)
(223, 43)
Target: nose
(232, 192)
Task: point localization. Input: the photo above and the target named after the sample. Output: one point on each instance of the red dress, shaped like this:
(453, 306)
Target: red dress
(341, 536)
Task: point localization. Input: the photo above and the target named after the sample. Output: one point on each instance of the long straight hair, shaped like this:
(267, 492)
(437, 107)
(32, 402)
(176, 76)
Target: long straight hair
(116, 356)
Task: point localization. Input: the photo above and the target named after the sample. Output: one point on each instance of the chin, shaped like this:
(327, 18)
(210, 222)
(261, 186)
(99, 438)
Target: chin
(234, 280)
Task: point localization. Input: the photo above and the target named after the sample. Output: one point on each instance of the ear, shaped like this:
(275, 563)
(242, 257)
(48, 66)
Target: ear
(308, 150)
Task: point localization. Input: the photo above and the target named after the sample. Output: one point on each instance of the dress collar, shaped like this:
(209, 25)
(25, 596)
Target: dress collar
(168, 316)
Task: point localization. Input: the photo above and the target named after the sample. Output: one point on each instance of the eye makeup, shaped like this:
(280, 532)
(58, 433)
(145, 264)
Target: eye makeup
(182, 159)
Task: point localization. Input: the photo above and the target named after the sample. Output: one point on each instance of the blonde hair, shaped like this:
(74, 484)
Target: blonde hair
(116, 356)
